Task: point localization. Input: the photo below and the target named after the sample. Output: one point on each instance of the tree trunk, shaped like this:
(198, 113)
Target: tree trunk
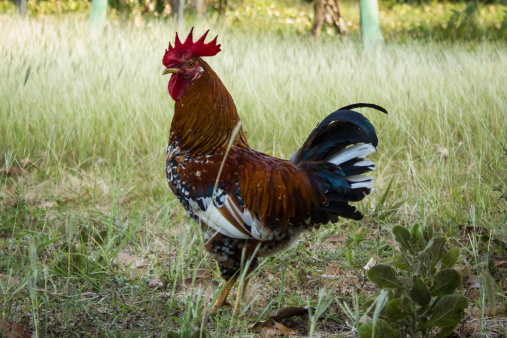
(318, 18)
(336, 17)
(98, 15)
(21, 7)
(199, 7)
(178, 6)
(370, 23)
(222, 7)
(328, 11)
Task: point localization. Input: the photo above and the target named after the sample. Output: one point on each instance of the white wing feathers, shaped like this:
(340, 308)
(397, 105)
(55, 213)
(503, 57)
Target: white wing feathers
(229, 219)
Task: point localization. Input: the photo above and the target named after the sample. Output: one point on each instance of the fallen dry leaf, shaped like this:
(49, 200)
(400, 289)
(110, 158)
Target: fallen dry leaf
(9, 280)
(473, 283)
(125, 259)
(53, 204)
(13, 171)
(335, 241)
(283, 313)
(202, 279)
(155, 282)
(370, 263)
(502, 263)
(75, 198)
(364, 319)
(442, 150)
(272, 328)
(127, 198)
(333, 271)
(467, 229)
(11, 329)
(208, 293)
(128, 260)
(46, 204)
(26, 162)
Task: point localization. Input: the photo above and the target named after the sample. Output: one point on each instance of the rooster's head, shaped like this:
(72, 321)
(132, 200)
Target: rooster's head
(183, 62)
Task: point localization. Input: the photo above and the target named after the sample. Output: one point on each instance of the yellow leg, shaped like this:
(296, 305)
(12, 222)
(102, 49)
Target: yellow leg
(221, 300)
(241, 295)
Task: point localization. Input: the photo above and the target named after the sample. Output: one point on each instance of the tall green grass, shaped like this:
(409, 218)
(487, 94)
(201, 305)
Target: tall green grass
(88, 98)
(94, 114)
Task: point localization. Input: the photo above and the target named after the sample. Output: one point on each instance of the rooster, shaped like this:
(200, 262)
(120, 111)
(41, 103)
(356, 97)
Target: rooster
(250, 204)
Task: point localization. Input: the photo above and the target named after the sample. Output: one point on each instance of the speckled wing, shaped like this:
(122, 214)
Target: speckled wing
(257, 195)
(193, 179)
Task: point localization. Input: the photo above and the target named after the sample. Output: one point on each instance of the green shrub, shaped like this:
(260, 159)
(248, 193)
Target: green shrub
(421, 287)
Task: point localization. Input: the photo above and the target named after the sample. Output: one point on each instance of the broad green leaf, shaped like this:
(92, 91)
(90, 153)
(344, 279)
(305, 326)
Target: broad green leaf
(484, 238)
(437, 250)
(402, 236)
(400, 262)
(427, 232)
(445, 282)
(384, 276)
(415, 232)
(431, 241)
(450, 258)
(393, 310)
(407, 305)
(382, 329)
(419, 292)
(448, 311)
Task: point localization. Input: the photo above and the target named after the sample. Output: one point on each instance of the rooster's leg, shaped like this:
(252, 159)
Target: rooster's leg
(221, 300)
(241, 294)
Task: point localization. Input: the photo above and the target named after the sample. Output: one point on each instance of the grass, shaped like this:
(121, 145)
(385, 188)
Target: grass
(93, 116)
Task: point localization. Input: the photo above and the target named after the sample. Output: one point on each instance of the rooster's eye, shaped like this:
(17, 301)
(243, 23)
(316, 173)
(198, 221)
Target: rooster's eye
(190, 65)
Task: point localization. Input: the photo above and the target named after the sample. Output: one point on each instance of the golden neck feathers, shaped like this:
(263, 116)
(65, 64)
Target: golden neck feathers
(205, 118)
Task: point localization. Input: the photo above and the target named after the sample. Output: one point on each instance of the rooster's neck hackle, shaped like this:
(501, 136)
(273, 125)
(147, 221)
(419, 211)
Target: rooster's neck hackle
(205, 118)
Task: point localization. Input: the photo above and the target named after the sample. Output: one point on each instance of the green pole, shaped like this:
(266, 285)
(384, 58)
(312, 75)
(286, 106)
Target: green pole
(98, 15)
(370, 24)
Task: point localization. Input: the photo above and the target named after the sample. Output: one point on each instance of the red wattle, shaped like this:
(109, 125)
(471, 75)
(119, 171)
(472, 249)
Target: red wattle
(177, 86)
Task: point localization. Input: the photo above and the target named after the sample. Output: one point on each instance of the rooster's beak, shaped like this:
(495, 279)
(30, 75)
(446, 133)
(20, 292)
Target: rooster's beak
(170, 71)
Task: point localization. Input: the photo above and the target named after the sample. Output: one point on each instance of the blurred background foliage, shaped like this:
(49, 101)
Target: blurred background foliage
(400, 19)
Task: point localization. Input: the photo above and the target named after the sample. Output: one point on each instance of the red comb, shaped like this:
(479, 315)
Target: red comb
(188, 49)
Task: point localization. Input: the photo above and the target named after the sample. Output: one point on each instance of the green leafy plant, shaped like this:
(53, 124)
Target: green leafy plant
(464, 24)
(421, 287)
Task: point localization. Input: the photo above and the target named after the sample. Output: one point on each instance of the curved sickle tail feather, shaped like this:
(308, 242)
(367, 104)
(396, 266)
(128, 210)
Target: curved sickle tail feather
(334, 157)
